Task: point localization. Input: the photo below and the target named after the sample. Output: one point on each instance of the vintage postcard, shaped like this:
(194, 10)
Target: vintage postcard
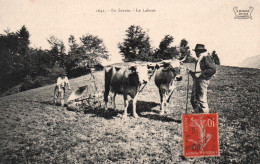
(129, 81)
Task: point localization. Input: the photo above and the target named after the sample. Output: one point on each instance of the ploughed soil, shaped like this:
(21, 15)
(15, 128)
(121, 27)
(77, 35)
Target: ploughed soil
(33, 130)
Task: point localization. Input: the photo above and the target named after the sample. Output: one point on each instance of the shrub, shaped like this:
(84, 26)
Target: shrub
(27, 83)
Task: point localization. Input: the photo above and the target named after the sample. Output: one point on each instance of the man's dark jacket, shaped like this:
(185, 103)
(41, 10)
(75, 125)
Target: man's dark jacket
(208, 67)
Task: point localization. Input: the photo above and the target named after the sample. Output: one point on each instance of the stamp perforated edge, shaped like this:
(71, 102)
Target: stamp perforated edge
(183, 143)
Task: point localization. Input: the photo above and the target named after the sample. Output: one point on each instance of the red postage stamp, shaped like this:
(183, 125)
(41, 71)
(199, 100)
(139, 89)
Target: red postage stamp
(200, 135)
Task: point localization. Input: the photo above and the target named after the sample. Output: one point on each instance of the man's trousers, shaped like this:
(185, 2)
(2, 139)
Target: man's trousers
(199, 95)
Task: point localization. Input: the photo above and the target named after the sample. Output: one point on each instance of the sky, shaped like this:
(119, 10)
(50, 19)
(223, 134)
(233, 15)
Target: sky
(211, 23)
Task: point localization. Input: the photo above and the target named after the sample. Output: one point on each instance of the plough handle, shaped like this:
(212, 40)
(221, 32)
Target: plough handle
(94, 80)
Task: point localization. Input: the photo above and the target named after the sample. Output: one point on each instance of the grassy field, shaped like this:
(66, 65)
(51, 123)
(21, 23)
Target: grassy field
(35, 131)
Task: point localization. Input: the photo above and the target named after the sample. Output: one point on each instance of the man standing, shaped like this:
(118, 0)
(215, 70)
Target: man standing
(204, 70)
(59, 90)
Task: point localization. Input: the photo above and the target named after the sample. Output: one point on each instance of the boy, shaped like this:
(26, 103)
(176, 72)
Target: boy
(59, 90)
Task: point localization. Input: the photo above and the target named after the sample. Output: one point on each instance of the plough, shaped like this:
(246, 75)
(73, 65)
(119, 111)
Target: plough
(79, 100)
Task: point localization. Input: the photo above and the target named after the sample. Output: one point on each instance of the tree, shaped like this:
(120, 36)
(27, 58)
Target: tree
(215, 57)
(88, 53)
(73, 55)
(57, 50)
(136, 45)
(92, 49)
(13, 50)
(26, 67)
(14, 47)
(166, 51)
(165, 43)
(9, 46)
(184, 48)
(23, 39)
(73, 45)
(184, 43)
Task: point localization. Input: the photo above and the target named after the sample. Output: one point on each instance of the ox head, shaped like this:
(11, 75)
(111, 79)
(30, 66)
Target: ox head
(141, 71)
(174, 66)
(152, 67)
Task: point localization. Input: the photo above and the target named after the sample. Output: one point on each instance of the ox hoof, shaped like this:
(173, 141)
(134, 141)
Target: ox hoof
(124, 117)
(136, 116)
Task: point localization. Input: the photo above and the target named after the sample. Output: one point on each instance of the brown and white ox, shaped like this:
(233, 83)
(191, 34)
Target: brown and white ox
(168, 71)
(126, 81)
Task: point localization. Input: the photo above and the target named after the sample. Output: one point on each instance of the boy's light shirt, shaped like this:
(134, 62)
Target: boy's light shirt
(62, 82)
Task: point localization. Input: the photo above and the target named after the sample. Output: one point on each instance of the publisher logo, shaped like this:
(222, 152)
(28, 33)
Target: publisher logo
(243, 13)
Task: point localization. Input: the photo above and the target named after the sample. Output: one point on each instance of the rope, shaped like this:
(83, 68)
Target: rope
(171, 92)
(140, 90)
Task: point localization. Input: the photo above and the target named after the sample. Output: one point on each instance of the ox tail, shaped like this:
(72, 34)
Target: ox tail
(108, 76)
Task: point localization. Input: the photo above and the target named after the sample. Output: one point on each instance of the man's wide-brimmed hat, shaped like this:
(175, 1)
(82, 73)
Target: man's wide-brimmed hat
(200, 47)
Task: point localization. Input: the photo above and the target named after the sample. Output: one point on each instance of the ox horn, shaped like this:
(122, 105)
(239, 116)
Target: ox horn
(182, 60)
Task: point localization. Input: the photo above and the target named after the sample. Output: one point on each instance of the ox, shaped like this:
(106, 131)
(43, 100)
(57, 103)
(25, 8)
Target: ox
(125, 81)
(167, 72)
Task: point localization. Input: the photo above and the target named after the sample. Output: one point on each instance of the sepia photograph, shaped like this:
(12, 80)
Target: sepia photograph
(133, 81)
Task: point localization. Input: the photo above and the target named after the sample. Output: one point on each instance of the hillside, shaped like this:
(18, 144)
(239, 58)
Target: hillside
(35, 131)
(251, 62)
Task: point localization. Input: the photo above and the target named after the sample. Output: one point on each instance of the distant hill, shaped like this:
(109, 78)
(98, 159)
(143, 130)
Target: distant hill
(251, 62)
